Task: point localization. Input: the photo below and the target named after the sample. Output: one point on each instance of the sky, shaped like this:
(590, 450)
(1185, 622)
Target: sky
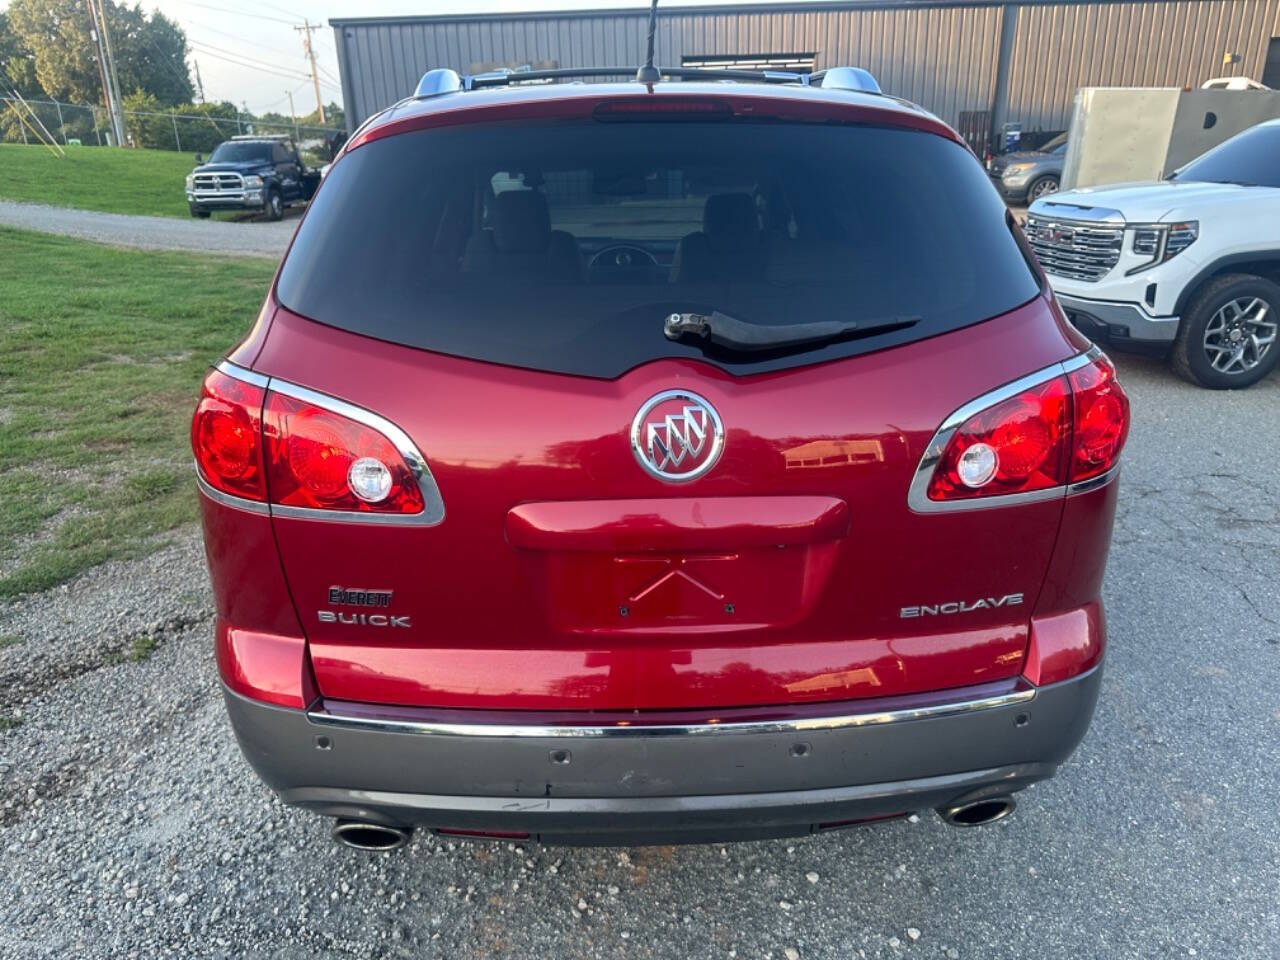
(249, 52)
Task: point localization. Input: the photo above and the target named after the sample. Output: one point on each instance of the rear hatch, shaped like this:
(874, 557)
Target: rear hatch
(638, 522)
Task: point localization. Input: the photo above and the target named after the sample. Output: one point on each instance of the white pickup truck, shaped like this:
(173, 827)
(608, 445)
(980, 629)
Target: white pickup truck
(1188, 266)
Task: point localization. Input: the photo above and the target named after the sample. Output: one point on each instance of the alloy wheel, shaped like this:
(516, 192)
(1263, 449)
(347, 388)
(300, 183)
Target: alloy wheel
(1044, 188)
(1239, 334)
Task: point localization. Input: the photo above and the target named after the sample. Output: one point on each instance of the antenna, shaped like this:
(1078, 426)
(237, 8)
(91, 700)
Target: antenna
(649, 73)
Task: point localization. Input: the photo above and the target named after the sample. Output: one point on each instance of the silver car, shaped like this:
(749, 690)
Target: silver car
(1030, 174)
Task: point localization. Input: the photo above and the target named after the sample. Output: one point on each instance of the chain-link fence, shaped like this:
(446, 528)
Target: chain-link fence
(192, 129)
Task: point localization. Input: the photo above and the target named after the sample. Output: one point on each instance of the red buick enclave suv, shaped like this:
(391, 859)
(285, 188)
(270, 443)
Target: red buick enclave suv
(622, 462)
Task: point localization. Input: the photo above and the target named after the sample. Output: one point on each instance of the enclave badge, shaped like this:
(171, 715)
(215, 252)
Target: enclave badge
(961, 606)
(677, 436)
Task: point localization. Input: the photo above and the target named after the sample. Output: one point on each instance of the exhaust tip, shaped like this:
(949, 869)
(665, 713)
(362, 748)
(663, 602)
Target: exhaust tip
(370, 836)
(978, 813)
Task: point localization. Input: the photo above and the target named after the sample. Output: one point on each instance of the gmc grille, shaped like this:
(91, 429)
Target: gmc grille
(1079, 251)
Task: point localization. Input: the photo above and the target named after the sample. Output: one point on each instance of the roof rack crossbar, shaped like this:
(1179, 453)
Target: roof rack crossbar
(441, 81)
(499, 78)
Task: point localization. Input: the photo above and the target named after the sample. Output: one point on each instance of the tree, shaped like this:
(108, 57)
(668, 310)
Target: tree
(17, 71)
(147, 125)
(150, 52)
(216, 122)
(333, 115)
(57, 34)
(17, 62)
(151, 55)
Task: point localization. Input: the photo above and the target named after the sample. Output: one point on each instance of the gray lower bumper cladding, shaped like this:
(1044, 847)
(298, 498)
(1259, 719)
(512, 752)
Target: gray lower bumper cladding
(585, 785)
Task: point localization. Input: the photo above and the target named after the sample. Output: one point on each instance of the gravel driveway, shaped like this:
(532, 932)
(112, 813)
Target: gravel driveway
(130, 827)
(255, 239)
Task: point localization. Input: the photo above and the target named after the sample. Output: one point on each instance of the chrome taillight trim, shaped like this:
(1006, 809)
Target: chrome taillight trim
(230, 499)
(634, 728)
(433, 504)
(1093, 483)
(242, 374)
(918, 494)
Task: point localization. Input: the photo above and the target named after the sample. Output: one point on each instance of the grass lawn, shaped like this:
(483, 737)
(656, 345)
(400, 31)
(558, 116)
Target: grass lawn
(103, 354)
(97, 178)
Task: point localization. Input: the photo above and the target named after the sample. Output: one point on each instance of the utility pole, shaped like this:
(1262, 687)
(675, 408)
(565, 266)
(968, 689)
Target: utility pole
(111, 70)
(199, 82)
(305, 30)
(293, 115)
(107, 98)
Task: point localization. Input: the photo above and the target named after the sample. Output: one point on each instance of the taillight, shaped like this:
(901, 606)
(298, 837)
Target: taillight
(1101, 419)
(319, 459)
(1017, 446)
(308, 454)
(663, 108)
(226, 436)
(1068, 427)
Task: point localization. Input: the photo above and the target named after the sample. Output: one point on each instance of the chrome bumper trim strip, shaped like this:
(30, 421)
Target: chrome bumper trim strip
(324, 718)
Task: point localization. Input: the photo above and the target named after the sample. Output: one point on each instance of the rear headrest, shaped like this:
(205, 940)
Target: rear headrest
(730, 215)
(521, 222)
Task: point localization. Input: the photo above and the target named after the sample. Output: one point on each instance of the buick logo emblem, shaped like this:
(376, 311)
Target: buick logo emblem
(677, 436)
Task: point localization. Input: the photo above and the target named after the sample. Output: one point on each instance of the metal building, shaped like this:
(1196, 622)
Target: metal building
(975, 63)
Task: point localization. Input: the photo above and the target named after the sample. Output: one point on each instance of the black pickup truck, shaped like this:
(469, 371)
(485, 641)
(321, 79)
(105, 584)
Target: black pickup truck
(259, 173)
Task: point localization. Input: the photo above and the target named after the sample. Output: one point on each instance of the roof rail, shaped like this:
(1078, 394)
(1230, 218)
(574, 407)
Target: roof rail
(443, 80)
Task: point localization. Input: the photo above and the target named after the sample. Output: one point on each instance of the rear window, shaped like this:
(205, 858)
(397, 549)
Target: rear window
(564, 246)
(1251, 158)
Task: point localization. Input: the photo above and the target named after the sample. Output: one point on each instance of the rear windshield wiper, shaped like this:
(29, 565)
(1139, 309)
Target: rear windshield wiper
(733, 334)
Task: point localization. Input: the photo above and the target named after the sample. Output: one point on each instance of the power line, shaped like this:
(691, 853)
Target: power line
(239, 13)
(288, 96)
(236, 37)
(256, 62)
(291, 13)
(271, 6)
(252, 66)
(259, 63)
(255, 65)
(248, 58)
(249, 66)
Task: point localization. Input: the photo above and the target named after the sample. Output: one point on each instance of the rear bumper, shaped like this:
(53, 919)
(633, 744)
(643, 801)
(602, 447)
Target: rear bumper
(772, 776)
